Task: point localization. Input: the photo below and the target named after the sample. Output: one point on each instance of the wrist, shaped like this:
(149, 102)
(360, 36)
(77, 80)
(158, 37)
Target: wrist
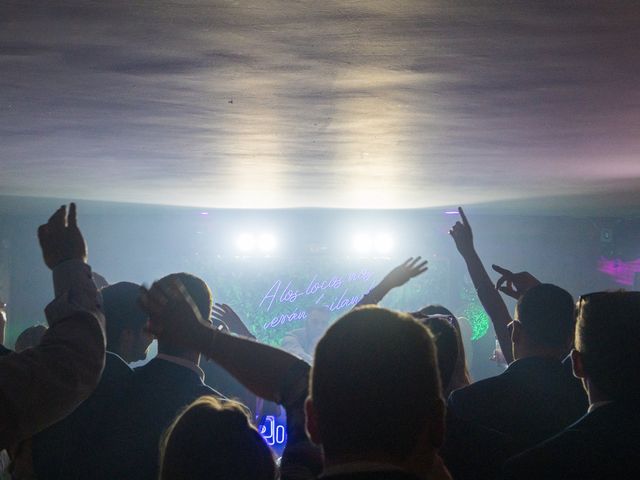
(207, 338)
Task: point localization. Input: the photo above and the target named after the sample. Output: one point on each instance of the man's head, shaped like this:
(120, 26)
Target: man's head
(125, 322)
(607, 345)
(544, 322)
(375, 393)
(201, 296)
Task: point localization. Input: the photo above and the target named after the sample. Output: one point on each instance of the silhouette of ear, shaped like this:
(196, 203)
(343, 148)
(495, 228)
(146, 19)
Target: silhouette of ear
(311, 422)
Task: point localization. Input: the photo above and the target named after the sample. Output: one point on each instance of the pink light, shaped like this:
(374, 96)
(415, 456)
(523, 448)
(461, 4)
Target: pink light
(204, 213)
(623, 273)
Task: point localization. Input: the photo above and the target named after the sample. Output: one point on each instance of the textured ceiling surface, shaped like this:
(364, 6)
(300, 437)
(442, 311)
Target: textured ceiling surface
(364, 104)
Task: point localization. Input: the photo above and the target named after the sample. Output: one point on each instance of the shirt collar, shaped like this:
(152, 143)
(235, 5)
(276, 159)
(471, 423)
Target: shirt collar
(597, 405)
(183, 362)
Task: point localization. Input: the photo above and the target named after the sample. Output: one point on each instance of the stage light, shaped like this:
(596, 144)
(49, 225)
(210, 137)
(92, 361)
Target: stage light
(383, 243)
(245, 242)
(267, 242)
(362, 243)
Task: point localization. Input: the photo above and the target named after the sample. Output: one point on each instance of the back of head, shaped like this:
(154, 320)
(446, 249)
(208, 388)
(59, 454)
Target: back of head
(608, 337)
(546, 313)
(121, 311)
(374, 384)
(444, 335)
(201, 295)
(214, 440)
(30, 337)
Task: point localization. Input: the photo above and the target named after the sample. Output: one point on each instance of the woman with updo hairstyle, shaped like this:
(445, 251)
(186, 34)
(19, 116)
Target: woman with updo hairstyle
(213, 439)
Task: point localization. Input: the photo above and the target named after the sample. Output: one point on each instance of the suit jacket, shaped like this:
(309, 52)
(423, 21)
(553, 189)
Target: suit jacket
(534, 399)
(604, 444)
(493, 419)
(43, 384)
(71, 449)
(159, 391)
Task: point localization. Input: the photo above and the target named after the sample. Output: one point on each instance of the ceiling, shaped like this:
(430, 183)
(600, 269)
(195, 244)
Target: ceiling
(350, 104)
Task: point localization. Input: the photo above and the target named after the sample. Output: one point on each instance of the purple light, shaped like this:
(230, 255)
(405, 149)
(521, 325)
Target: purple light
(451, 212)
(623, 273)
(204, 213)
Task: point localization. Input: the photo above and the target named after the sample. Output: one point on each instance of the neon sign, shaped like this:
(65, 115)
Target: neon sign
(274, 433)
(335, 293)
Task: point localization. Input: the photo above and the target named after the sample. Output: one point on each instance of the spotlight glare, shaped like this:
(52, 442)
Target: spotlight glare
(362, 243)
(245, 242)
(383, 243)
(267, 242)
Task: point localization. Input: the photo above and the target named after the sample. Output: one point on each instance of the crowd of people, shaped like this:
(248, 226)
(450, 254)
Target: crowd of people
(378, 394)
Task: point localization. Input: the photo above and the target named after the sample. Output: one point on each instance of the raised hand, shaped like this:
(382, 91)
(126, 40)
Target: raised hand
(61, 239)
(174, 315)
(224, 314)
(517, 284)
(404, 272)
(462, 234)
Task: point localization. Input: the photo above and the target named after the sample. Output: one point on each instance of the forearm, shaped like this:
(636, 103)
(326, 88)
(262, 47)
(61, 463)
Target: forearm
(263, 369)
(491, 301)
(374, 296)
(44, 384)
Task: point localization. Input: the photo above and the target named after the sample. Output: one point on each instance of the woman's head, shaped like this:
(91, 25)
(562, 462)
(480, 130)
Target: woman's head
(213, 439)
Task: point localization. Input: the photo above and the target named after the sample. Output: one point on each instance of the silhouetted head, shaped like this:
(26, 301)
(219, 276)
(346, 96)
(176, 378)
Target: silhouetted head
(607, 345)
(544, 321)
(212, 439)
(444, 335)
(30, 337)
(452, 361)
(201, 295)
(125, 321)
(375, 391)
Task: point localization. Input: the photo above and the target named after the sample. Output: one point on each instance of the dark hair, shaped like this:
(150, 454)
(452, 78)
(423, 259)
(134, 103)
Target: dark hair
(212, 439)
(460, 376)
(374, 383)
(444, 334)
(198, 290)
(121, 310)
(546, 313)
(608, 337)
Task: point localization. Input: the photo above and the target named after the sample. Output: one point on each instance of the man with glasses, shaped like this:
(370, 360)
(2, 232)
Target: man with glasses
(605, 442)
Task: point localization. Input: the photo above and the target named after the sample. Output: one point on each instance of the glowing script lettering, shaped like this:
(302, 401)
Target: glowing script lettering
(272, 432)
(318, 291)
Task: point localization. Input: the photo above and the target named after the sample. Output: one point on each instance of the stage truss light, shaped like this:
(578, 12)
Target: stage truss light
(362, 243)
(267, 242)
(383, 243)
(245, 242)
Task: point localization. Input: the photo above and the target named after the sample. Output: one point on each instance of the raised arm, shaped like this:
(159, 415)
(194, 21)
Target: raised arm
(261, 368)
(44, 384)
(489, 297)
(397, 277)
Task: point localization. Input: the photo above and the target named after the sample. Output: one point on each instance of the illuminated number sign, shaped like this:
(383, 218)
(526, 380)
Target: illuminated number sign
(273, 432)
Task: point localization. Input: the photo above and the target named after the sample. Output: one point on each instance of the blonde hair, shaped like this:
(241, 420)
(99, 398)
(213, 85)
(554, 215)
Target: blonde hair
(213, 438)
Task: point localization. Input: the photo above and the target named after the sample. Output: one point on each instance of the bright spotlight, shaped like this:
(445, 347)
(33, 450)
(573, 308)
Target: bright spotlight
(362, 243)
(245, 242)
(267, 242)
(383, 243)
